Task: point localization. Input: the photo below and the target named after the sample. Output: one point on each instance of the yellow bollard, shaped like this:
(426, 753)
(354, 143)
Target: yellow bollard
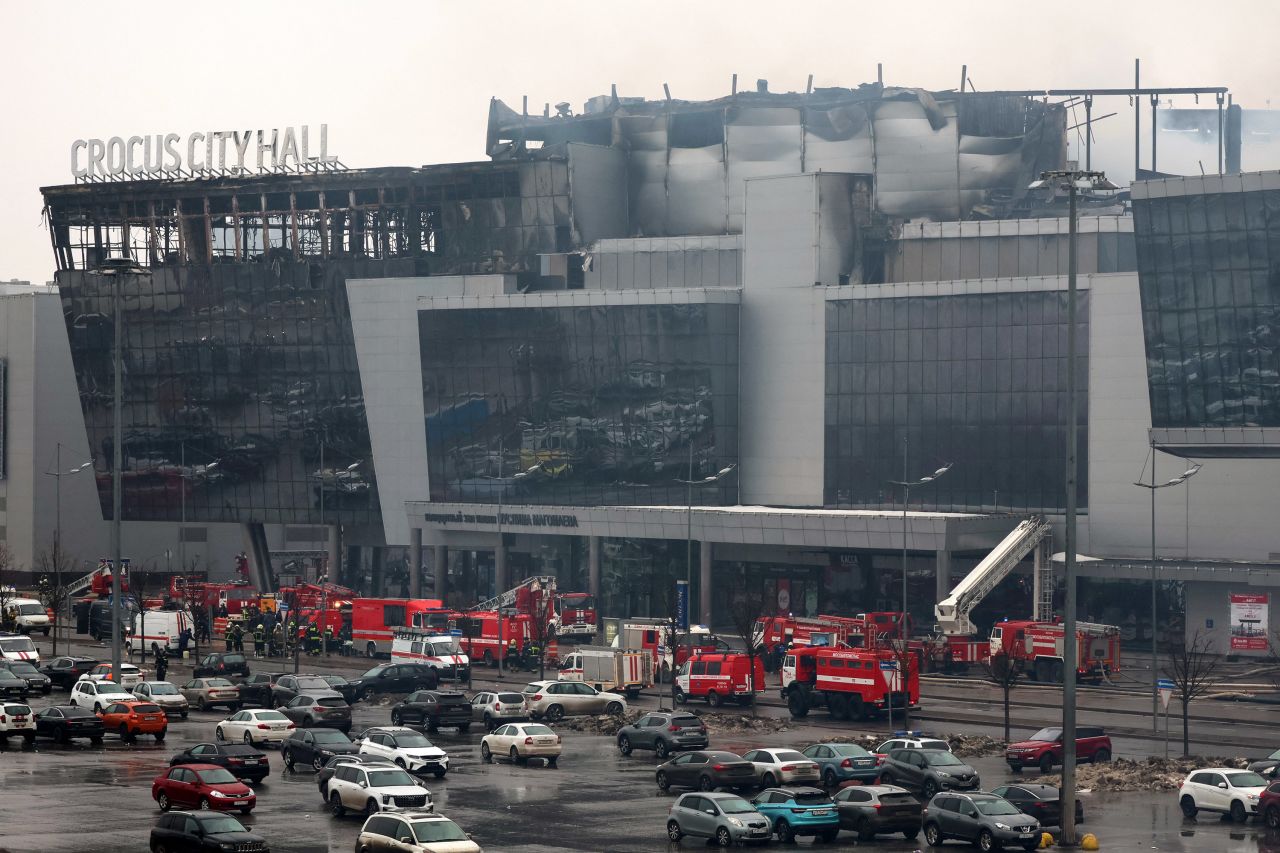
(1089, 842)
(1046, 840)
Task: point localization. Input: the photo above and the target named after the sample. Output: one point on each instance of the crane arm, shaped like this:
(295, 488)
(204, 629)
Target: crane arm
(953, 611)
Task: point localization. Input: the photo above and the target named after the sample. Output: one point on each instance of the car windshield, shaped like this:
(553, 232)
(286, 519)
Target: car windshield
(1246, 780)
(217, 682)
(428, 831)
(272, 716)
(789, 755)
(1049, 735)
(390, 779)
(216, 777)
(16, 644)
(313, 683)
(941, 759)
(850, 750)
(109, 687)
(735, 805)
(536, 729)
(446, 647)
(21, 667)
(220, 824)
(996, 807)
(31, 610)
(162, 688)
(330, 736)
(412, 740)
(375, 672)
(334, 680)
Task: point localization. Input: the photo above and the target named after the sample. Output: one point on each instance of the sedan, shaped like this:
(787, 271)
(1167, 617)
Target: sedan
(244, 762)
(323, 711)
(1042, 802)
(706, 770)
(840, 762)
(13, 687)
(166, 695)
(257, 726)
(37, 681)
(522, 741)
(556, 699)
(872, 810)
(782, 767)
(204, 693)
(203, 786)
(315, 747)
(63, 722)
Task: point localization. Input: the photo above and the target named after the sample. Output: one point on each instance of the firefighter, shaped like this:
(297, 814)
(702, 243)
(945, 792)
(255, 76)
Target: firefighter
(313, 639)
(328, 639)
(239, 633)
(277, 640)
(162, 661)
(513, 652)
(291, 638)
(230, 638)
(259, 645)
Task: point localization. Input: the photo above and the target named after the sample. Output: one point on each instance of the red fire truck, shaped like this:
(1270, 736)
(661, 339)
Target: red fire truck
(719, 677)
(851, 683)
(655, 634)
(576, 615)
(1036, 648)
(479, 634)
(374, 620)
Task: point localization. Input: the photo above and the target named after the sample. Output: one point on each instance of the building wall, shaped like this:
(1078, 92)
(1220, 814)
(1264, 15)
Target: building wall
(1209, 613)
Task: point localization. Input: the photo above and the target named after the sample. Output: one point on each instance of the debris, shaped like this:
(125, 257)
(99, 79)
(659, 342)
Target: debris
(1151, 774)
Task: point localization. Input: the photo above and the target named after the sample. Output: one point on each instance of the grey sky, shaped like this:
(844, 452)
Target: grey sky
(407, 83)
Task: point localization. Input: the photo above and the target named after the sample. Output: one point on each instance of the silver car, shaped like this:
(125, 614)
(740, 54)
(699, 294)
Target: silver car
(206, 692)
(166, 695)
(556, 699)
(782, 767)
(495, 709)
(727, 818)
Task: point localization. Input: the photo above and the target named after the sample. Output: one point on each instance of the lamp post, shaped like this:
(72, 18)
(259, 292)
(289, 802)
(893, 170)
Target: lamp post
(1155, 649)
(57, 473)
(907, 486)
(498, 550)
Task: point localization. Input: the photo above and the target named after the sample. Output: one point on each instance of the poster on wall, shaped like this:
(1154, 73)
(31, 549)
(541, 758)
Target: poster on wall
(1249, 621)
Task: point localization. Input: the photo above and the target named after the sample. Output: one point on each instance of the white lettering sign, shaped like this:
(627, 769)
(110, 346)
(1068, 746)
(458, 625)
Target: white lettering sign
(209, 152)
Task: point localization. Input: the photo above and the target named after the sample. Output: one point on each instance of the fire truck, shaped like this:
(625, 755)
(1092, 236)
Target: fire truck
(195, 591)
(852, 684)
(654, 636)
(374, 620)
(866, 630)
(1036, 649)
(480, 638)
(719, 677)
(576, 615)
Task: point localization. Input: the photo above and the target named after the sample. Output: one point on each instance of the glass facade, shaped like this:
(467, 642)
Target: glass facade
(978, 380)
(1209, 268)
(606, 402)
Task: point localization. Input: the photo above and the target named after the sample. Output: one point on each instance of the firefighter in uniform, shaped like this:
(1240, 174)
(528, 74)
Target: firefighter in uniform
(259, 646)
(277, 640)
(239, 637)
(313, 639)
(513, 652)
(230, 637)
(328, 639)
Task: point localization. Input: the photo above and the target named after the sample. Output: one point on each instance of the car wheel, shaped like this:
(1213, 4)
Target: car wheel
(768, 780)
(1272, 817)
(663, 782)
(317, 763)
(247, 810)
(60, 735)
(159, 848)
(400, 763)
(829, 778)
(371, 806)
(1015, 767)
(97, 708)
(929, 788)
(160, 735)
(910, 834)
(488, 722)
(247, 739)
(96, 740)
(396, 719)
(287, 757)
(1188, 806)
(163, 802)
(125, 737)
(932, 835)
(218, 735)
(1238, 814)
(1102, 756)
(680, 697)
(705, 783)
(713, 699)
(614, 709)
(864, 829)
(723, 838)
(464, 728)
(829, 835)
(553, 761)
(204, 704)
(661, 749)
(204, 804)
(786, 834)
(1046, 763)
(555, 713)
(624, 745)
(986, 841)
(367, 694)
(514, 755)
(336, 808)
(885, 779)
(486, 754)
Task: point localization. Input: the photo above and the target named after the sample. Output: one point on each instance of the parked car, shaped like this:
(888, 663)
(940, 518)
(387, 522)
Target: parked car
(65, 671)
(1269, 806)
(166, 695)
(328, 710)
(315, 747)
(912, 740)
(245, 762)
(556, 699)
(799, 811)
(375, 789)
(288, 686)
(129, 676)
(872, 810)
(255, 689)
(1044, 748)
(204, 786)
(414, 832)
(706, 770)
(1223, 790)
(726, 818)
(256, 727)
(331, 766)
(204, 832)
(130, 719)
(1042, 802)
(433, 709)
(344, 688)
(406, 748)
(840, 762)
(223, 664)
(664, 732)
(37, 681)
(96, 695)
(520, 742)
(782, 767)
(17, 720)
(395, 678)
(1267, 767)
(494, 709)
(13, 687)
(988, 821)
(928, 771)
(64, 722)
(205, 693)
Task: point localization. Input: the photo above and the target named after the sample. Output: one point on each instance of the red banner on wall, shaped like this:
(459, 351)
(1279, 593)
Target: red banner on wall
(1249, 621)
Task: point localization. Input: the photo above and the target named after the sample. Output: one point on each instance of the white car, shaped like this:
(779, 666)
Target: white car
(521, 741)
(164, 694)
(376, 789)
(912, 740)
(19, 648)
(16, 720)
(556, 699)
(415, 833)
(1224, 790)
(130, 675)
(406, 748)
(782, 767)
(256, 726)
(97, 695)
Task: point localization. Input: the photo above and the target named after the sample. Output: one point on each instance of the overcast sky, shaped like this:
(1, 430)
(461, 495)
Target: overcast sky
(408, 83)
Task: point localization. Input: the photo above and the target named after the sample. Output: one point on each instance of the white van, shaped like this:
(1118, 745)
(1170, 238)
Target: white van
(18, 647)
(441, 652)
(29, 615)
(162, 627)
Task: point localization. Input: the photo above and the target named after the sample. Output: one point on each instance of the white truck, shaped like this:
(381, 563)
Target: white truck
(161, 627)
(605, 668)
(28, 615)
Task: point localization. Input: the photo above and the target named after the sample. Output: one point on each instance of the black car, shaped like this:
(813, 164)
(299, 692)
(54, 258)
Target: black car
(256, 689)
(872, 810)
(1042, 802)
(315, 747)
(37, 681)
(245, 762)
(288, 686)
(395, 678)
(64, 722)
(13, 687)
(223, 664)
(66, 671)
(327, 710)
(433, 708)
(341, 685)
(204, 831)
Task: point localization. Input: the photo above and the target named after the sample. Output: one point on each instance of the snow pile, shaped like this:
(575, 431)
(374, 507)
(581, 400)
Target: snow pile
(1151, 774)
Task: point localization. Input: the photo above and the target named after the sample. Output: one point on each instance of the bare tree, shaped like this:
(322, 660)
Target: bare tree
(142, 581)
(55, 572)
(1006, 674)
(747, 606)
(905, 658)
(1191, 668)
(7, 589)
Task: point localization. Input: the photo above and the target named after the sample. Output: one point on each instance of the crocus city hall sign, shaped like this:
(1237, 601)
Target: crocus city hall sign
(207, 153)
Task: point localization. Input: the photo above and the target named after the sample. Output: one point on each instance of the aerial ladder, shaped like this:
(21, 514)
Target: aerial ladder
(953, 611)
(540, 583)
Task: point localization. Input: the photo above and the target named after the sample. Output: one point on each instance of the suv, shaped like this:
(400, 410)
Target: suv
(257, 689)
(66, 671)
(555, 699)
(409, 749)
(990, 822)
(1044, 748)
(727, 818)
(222, 663)
(928, 771)
(16, 719)
(1269, 806)
(912, 740)
(97, 695)
(204, 831)
(414, 833)
(495, 709)
(433, 709)
(395, 678)
(664, 732)
(799, 811)
(872, 810)
(376, 789)
(315, 747)
(1224, 790)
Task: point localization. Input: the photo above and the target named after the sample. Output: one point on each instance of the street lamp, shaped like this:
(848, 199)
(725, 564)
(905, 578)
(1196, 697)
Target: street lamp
(1073, 180)
(58, 473)
(1152, 486)
(499, 552)
(907, 486)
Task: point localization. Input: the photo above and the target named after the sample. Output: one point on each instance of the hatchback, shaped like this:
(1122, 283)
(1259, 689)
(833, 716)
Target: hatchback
(1223, 790)
(204, 786)
(135, 718)
(310, 710)
(727, 818)
(315, 747)
(799, 811)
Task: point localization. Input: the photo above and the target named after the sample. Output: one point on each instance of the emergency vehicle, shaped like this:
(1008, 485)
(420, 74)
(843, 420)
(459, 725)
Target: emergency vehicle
(655, 634)
(852, 684)
(375, 620)
(441, 652)
(1036, 649)
(479, 637)
(609, 669)
(576, 615)
(162, 627)
(719, 677)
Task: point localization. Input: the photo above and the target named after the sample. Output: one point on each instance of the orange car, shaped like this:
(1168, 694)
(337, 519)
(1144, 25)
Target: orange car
(131, 719)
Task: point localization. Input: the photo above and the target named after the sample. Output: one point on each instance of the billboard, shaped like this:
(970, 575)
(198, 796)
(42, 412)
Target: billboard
(1249, 621)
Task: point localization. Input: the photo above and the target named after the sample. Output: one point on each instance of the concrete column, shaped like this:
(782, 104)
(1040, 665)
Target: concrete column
(377, 572)
(500, 568)
(942, 583)
(593, 567)
(415, 562)
(333, 558)
(704, 583)
(440, 555)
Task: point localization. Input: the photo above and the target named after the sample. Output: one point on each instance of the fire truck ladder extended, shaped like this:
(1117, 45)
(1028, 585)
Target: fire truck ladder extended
(508, 598)
(953, 611)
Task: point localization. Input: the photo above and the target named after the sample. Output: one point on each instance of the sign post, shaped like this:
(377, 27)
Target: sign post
(888, 671)
(1165, 688)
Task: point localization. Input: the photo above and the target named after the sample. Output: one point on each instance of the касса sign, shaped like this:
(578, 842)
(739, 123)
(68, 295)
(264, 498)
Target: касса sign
(221, 151)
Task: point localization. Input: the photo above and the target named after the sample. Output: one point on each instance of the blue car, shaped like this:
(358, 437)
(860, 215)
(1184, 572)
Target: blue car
(799, 811)
(840, 762)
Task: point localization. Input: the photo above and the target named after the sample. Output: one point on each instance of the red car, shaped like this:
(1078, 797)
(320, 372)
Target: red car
(1044, 748)
(1269, 805)
(205, 786)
